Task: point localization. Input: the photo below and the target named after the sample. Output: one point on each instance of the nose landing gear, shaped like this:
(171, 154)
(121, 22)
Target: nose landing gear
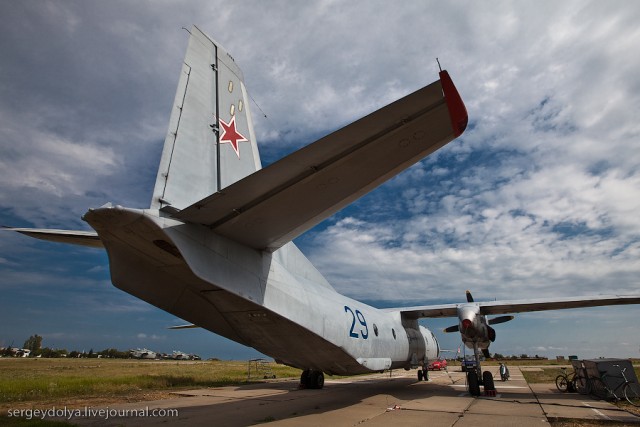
(477, 378)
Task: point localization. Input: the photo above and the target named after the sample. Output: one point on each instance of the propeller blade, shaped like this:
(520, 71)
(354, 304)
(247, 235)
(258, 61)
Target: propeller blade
(453, 328)
(469, 297)
(500, 319)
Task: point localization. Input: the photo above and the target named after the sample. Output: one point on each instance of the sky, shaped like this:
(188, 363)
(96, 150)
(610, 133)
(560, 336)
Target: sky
(539, 197)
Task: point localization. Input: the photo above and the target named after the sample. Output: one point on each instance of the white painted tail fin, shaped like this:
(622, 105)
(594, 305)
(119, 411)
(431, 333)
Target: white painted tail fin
(210, 143)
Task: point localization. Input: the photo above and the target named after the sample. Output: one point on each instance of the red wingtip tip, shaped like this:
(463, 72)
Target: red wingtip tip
(457, 109)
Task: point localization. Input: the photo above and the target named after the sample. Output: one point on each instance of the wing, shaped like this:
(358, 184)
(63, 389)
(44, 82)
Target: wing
(519, 306)
(82, 238)
(274, 205)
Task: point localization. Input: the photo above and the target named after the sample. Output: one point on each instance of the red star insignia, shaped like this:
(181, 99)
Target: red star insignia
(230, 135)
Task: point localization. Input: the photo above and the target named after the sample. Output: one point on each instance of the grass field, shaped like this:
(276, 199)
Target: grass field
(26, 383)
(38, 380)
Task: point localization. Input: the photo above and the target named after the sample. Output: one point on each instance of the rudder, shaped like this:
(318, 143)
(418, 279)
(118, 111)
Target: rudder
(210, 143)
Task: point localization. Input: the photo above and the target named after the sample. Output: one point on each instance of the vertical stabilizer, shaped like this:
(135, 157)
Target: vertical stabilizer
(210, 143)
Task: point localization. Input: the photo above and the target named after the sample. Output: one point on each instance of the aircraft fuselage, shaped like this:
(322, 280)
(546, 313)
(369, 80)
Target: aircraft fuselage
(275, 302)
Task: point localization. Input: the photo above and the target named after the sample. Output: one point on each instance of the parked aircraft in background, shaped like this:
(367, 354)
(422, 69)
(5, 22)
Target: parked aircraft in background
(143, 353)
(215, 246)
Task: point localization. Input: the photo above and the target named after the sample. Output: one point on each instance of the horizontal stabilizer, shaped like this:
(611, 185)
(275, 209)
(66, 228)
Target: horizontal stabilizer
(274, 205)
(189, 326)
(74, 237)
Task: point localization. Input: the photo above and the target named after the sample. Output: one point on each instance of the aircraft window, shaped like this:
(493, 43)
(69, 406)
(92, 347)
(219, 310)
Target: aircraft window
(240, 105)
(230, 86)
(232, 110)
(393, 331)
(375, 329)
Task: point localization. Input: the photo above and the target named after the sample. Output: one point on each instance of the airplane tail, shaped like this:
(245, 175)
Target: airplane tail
(210, 143)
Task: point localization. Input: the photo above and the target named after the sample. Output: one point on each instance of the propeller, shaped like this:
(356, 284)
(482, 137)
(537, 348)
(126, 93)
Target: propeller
(469, 297)
(500, 319)
(454, 328)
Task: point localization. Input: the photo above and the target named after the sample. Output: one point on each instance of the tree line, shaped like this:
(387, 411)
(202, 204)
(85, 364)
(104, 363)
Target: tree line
(34, 345)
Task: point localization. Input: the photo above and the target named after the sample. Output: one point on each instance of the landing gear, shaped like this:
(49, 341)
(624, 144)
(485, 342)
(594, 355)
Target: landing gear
(312, 379)
(476, 378)
(487, 381)
(473, 383)
(423, 374)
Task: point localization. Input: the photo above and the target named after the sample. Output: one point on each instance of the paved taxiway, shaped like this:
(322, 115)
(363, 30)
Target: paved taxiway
(377, 400)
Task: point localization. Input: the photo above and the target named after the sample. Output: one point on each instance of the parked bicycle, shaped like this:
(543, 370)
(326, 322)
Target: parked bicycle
(566, 381)
(598, 386)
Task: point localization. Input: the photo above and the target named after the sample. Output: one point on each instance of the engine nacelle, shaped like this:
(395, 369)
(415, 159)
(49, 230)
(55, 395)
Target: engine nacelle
(423, 346)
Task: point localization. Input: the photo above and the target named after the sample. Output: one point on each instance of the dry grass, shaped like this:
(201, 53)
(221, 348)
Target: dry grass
(546, 375)
(44, 380)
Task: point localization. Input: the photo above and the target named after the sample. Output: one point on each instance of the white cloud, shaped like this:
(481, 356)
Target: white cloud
(153, 337)
(539, 197)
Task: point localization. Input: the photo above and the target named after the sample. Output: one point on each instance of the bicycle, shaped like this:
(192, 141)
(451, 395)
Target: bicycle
(599, 388)
(566, 381)
(629, 388)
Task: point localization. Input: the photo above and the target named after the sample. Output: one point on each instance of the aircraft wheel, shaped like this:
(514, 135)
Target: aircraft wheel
(316, 380)
(473, 383)
(487, 380)
(304, 379)
(420, 375)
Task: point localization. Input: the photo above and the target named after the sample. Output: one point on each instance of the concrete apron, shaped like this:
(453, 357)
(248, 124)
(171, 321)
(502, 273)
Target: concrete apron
(375, 400)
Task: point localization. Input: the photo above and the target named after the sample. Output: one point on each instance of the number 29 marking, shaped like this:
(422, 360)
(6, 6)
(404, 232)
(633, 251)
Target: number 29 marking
(363, 323)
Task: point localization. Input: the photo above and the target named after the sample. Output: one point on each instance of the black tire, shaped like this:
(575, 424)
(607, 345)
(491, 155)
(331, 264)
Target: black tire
(420, 375)
(583, 386)
(473, 383)
(304, 379)
(632, 394)
(487, 381)
(562, 383)
(598, 389)
(316, 380)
